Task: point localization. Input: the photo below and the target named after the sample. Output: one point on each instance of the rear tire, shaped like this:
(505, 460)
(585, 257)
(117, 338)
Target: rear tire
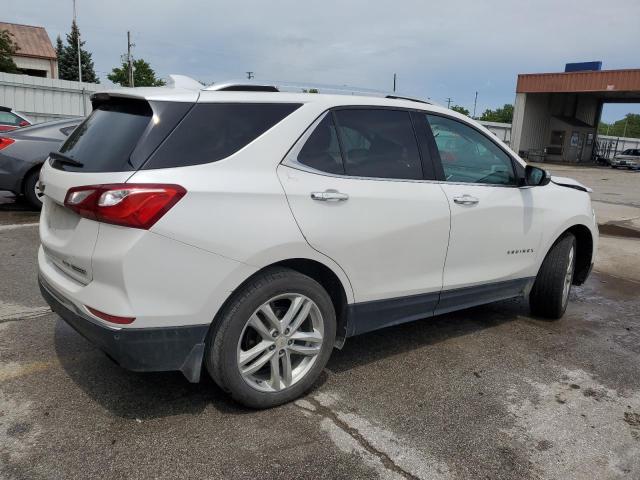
(550, 293)
(292, 354)
(29, 189)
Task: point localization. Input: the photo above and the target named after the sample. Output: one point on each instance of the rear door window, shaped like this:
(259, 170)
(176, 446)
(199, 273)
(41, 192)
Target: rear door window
(378, 143)
(105, 140)
(214, 131)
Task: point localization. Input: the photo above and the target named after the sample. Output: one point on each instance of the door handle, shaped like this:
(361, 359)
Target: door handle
(329, 196)
(466, 200)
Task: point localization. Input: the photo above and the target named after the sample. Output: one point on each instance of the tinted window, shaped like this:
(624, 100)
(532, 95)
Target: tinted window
(105, 140)
(378, 143)
(631, 152)
(66, 131)
(322, 150)
(469, 156)
(213, 131)
(8, 118)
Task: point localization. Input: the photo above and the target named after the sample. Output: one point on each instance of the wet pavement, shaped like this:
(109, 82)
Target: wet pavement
(485, 393)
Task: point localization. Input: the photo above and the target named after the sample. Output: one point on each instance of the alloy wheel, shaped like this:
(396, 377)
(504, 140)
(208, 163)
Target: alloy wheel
(280, 342)
(568, 278)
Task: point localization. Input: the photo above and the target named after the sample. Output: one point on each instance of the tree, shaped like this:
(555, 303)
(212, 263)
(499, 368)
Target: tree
(143, 75)
(502, 115)
(68, 59)
(617, 128)
(459, 109)
(7, 48)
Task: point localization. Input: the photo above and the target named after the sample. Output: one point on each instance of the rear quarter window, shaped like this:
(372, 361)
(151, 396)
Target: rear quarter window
(214, 131)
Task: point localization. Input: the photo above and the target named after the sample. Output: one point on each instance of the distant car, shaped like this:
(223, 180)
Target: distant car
(23, 151)
(10, 119)
(629, 158)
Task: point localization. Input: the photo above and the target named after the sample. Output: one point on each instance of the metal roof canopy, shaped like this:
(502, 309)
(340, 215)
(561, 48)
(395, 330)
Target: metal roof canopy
(608, 85)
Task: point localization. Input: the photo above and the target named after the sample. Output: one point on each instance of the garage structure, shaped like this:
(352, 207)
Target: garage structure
(556, 115)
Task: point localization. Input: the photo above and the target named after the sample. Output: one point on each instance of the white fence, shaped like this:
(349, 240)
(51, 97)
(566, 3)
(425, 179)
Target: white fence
(44, 99)
(619, 143)
(500, 130)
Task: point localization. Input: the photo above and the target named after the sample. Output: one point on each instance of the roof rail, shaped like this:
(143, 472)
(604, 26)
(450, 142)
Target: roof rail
(255, 86)
(411, 99)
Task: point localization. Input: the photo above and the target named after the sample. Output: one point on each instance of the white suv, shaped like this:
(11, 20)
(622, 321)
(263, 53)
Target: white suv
(253, 230)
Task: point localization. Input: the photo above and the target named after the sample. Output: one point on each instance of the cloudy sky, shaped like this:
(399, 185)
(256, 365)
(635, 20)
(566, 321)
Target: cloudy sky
(439, 49)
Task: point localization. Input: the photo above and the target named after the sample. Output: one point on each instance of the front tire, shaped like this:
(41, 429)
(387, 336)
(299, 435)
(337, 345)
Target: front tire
(273, 338)
(550, 293)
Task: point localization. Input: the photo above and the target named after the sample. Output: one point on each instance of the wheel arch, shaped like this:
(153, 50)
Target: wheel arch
(584, 250)
(339, 293)
(34, 167)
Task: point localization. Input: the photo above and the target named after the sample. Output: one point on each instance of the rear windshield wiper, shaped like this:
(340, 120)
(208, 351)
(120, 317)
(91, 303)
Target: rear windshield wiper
(62, 158)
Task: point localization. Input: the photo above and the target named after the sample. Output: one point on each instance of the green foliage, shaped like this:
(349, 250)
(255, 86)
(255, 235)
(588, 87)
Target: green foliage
(617, 128)
(459, 109)
(7, 49)
(68, 58)
(502, 115)
(143, 75)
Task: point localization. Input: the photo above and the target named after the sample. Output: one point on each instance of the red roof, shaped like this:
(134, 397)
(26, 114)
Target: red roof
(580, 82)
(33, 41)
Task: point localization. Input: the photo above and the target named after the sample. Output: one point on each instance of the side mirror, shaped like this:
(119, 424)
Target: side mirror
(536, 177)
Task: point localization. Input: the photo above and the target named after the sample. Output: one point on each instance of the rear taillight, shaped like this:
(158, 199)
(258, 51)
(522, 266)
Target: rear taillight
(5, 142)
(136, 205)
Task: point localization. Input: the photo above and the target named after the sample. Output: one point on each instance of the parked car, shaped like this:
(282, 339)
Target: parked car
(10, 119)
(23, 151)
(629, 158)
(250, 232)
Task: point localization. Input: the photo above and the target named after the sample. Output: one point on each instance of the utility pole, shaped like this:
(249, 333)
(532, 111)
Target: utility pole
(78, 46)
(250, 75)
(129, 59)
(394, 82)
(448, 102)
(475, 102)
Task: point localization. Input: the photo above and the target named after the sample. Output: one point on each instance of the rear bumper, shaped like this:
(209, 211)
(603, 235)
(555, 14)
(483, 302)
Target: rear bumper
(138, 349)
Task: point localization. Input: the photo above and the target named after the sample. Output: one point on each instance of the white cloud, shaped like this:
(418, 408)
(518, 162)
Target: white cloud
(438, 49)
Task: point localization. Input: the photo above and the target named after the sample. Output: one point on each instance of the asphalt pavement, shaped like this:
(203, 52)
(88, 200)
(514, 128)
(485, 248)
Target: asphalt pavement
(488, 392)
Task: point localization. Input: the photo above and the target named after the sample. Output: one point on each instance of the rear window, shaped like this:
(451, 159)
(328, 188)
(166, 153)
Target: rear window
(105, 140)
(213, 131)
